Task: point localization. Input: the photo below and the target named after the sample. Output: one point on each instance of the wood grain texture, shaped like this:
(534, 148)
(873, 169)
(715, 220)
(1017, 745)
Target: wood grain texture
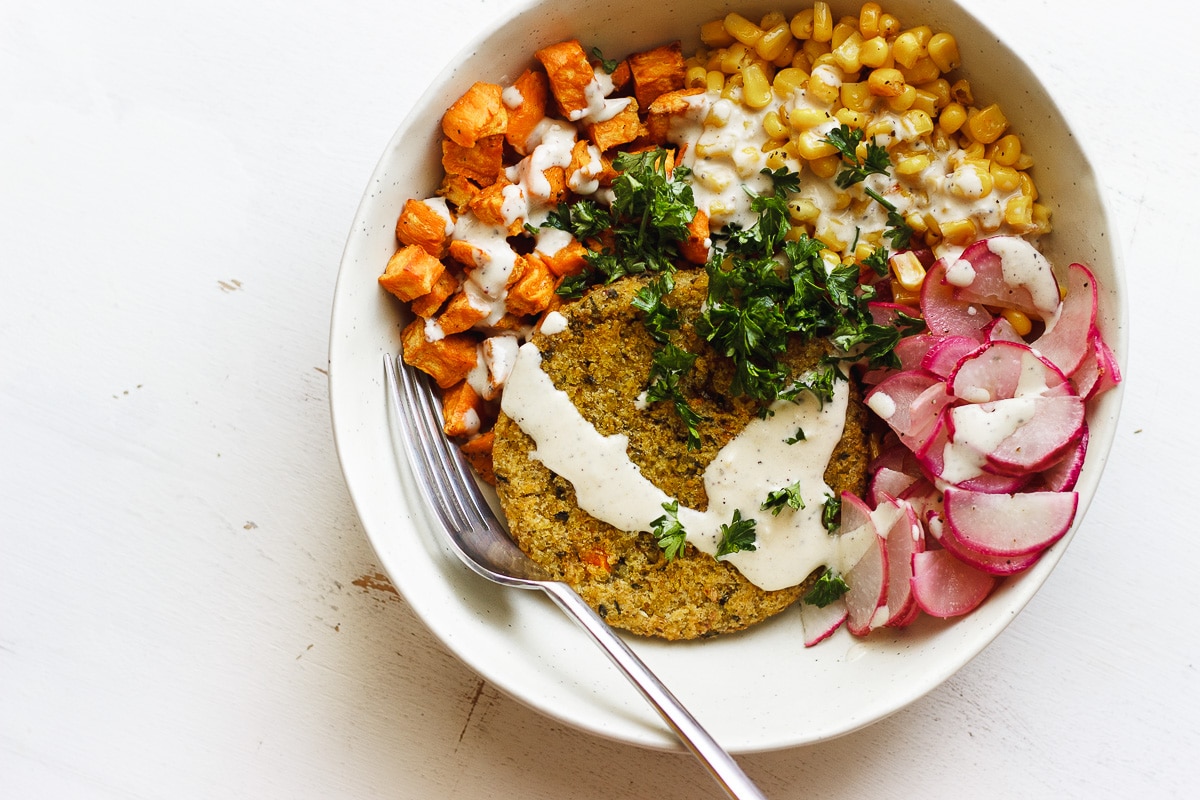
(188, 605)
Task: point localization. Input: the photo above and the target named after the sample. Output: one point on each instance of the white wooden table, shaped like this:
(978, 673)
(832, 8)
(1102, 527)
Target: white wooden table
(188, 605)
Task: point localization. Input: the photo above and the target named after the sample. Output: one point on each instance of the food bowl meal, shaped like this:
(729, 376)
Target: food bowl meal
(789, 337)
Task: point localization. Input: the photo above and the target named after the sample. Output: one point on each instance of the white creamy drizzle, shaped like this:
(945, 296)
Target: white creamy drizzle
(610, 487)
(599, 108)
(438, 204)
(512, 97)
(553, 324)
(1021, 265)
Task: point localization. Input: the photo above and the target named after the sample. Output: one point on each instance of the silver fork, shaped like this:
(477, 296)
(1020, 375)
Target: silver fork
(476, 536)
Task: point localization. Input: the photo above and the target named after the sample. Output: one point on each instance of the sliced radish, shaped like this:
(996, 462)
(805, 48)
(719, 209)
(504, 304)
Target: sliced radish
(1000, 370)
(819, 622)
(892, 400)
(943, 357)
(1001, 330)
(1098, 372)
(855, 515)
(945, 314)
(960, 465)
(1019, 435)
(904, 536)
(944, 587)
(1067, 338)
(912, 349)
(889, 313)
(1008, 524)
(868, 584)
(889, 483)
(1005, 271)
(993, 565)
(1061, 477)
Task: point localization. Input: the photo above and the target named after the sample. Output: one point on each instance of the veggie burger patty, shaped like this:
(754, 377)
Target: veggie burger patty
(602, 360)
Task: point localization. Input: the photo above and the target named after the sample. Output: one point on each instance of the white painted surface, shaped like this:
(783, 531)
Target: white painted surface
(188, 606)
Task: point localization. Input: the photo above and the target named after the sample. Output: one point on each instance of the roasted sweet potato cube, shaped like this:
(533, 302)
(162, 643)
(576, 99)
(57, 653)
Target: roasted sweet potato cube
(447, 360)
(656, 72)
(411, 272)
(556, 180)
(458, 190)
(480, 112)
(482, 162)
(696, 246)
(479, 455)
(665, 107)
(427, 305)
(621, 76)
(488, 205)
(532, 293)
(534, 91)
(569, 72)
(567, 260)
(462, 410)
(459, 315)
(422, 224)
(622, 128)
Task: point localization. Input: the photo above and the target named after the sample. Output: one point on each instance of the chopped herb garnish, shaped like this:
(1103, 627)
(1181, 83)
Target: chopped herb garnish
(660, 318)
(846, 140)
(799, 437)
(670, 363)
(828, 587)
(831, 513)
(671, 536)
(609, 65)
(788, 496)
(737, 535)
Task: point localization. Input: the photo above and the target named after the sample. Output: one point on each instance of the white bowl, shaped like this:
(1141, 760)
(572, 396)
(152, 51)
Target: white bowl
(785, 694)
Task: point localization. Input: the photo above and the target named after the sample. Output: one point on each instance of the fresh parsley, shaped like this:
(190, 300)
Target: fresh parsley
(659, 317)
(670, 363)
(831, 513)
(737, 535)
(799, 437)
(671, 536)
(828, 588)
(787, 497)
(875, 162)
(609, 65)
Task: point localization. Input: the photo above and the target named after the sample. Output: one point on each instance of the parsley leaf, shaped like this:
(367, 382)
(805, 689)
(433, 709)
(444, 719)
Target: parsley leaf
(799, 437)
(831, 513)
(609, 65)
(788, 496)
(846, 140)
(660, 317)
(671, 536)
(737, 535)
(669, 364)
(828, 587)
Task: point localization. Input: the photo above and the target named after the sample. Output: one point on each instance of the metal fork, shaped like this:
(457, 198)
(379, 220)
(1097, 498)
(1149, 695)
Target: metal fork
(476, 536)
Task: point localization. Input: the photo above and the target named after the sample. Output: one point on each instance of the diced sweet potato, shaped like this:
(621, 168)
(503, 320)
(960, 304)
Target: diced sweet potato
(488, 205)
(479, 113)
(458, 190)
(532, 293)
(411, 272)
(421, 224)
(481, 162)
(447, 360)
(462, 410)
(556, 178)
(696, 246)
(621, 128)
(656, 72)
(479, 455)
(569, 260)
(569, 72)
(459, 315)
(621, 76)
(663, 109)
(534, 90)
(427, 305)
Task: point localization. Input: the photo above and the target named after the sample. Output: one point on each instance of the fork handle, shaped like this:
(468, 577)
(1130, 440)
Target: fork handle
(720, 764)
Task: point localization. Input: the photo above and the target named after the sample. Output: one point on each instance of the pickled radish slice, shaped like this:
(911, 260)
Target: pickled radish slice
(944, 586)
(999, 370)
(945, 314)
(1008, 524)
(1005, 271)
(819, 622)
(1067, 338)
(868, 582)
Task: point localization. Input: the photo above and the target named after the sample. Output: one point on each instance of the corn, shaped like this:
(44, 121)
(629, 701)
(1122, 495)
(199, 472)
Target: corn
(987, 125)
(961, 90)
(903, 101)
(1041, 217)
(868, 19)
(770, 45)
(880, 127)
(842, 31)
(916, 222)
(756, 89)
(925, 101)
(970, 181)
(788, 80)
(716, 80)
(913, 165)
(822, 22)
(826, 166)
(819, 89)
(731, 58)
(857, 96)
(795, 233)
(1018, 211)
(889, 25)
(775, 127)
(829, 237)
(777, 156)
(851, 118)
(863, 251)
(811, 145)
(771, 19)
(801, 210)
(875, 52)
(924, 71)
(959, 232)
(815, 49)
(1005, 179)
(904, 296)
(696, 77)
(742, 29)
(973, 151)
(940, 89)
(919, 121)
(802, 24)
(1007, 150)
(848, 54)
(714, 34)
(943, 49)
(784, 59)
(907, 49)
(909, 271)
(1024, 161)
(885, 82)
(805, 118)
(1020, 322)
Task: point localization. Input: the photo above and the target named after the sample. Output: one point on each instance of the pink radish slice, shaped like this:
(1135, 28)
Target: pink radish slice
(819, 622)
(868, 584)
(1098, 372)
(892, 400)
(1019, 435)
(1001, 330)
(965, 468)
(945, 314)
(944, 587)
(908, 616)
(1061, 477)
(886, 312)
(912, 349)
(905, 536)
(855, 513)
(889, 483)
(943, 357)
(1005, 271)
(1000, 370)
(993, 565)
(1008, 524)
(1067, 338)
